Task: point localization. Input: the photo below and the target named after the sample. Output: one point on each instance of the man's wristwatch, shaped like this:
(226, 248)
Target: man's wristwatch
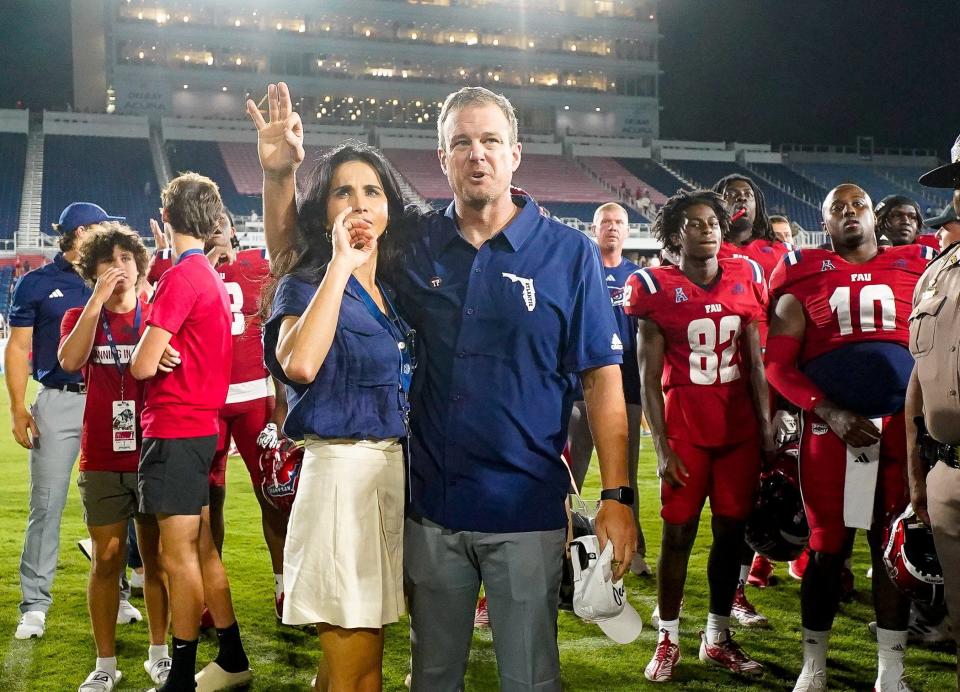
(623, 495)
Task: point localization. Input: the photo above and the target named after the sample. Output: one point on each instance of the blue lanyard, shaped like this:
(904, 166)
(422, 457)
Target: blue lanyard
(121, 368)
(188, 253)
(394, 329)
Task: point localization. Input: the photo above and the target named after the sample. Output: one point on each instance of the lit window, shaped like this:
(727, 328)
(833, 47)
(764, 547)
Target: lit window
(366, 32)
(236, 22)
(140, 55)
(414, 36)
(302, 28)
(186, 19)
(186, 86)
(239, 61)
(209, 59)
(496, 42)
(336, 64)
(403, 74)
(186, 58)
(573, 47)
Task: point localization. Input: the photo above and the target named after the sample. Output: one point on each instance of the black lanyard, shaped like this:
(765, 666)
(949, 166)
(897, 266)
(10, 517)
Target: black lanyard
(121, 368)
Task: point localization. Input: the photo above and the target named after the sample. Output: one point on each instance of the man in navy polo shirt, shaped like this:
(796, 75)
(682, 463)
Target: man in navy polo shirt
(510, 306)
(610, 227)
(50, 429)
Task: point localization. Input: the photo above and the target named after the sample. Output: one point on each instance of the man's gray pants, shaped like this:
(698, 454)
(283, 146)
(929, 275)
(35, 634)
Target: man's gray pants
(59, 417)
(520, 573)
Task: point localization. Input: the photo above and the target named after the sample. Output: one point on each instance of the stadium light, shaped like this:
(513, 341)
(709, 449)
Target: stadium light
(186, 86)
(140, 55)
(236, 22)
(186, 19)
(225, 88)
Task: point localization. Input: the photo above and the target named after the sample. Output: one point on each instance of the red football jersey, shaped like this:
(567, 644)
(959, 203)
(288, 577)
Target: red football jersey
(191, 303)
(244, 279)
(928, 239)
(707, 396)
(766, 253)
(848, 303)
(102, 377)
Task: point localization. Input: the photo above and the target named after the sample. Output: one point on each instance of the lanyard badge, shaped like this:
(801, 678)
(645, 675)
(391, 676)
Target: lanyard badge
(124, 421)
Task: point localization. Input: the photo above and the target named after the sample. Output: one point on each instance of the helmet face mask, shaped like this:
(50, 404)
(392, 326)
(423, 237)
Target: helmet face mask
(911, 559)
(777, 527)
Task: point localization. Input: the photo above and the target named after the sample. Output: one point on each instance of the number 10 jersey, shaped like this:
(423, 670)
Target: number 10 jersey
(706, 389)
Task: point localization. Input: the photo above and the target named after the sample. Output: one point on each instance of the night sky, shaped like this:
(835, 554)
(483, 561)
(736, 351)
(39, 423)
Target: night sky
(813, 71)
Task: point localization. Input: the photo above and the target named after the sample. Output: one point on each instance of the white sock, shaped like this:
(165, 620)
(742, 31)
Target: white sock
(716, 626)
(814, 650)
(890, 649)
(278, 584)
(669, 627)
(108, 664)
(156, 652)
(744, 573)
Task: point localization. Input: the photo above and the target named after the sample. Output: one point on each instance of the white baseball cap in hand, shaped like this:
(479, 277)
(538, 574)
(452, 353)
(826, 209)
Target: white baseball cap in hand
(597, 597)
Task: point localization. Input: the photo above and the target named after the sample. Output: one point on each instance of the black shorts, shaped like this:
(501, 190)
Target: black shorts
(630, 374)
(174, 474)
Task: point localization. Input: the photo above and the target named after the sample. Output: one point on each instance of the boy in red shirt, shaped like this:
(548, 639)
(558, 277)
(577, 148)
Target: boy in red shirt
(98, 339)
(185, 353)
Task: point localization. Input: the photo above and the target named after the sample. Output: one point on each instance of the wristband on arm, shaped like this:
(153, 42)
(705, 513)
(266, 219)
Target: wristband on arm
(786, 378)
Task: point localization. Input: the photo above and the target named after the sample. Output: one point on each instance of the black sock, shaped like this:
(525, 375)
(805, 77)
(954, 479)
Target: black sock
(231, 656)
(182, 668)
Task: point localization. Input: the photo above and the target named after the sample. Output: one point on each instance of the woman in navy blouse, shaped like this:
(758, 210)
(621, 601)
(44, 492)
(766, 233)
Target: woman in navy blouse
(344, 355)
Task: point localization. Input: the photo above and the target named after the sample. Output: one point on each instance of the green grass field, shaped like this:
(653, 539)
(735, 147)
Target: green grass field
(285, 659)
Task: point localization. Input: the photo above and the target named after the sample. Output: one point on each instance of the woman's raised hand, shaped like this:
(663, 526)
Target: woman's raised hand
(353, 240)
(280, 141)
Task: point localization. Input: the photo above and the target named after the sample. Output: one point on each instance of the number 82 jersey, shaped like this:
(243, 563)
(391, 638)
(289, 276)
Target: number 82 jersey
(706, 390)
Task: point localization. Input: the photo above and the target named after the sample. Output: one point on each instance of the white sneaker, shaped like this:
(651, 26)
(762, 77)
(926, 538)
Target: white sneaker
(159, 670)
(811, 681)
(136, 581)
(86, 547)
(212, 677)
(32, 624)
(100, 681)
(127, 614)
(639, 567)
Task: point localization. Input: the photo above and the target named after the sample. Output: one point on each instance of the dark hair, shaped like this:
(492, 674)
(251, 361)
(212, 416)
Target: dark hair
(761, 222)
(229, 215)
(98, 246)
(307, 256)
(778, 218)
(887, 205)
(67, 240)
(193, 205)
(669, 220)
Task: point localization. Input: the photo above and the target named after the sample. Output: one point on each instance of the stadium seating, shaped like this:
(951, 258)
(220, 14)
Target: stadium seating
(660, 179)
(790, 181)
(243, 167)
(707, 173)
(205, 158)
(110, 171)
(422, 170)
(877, 181)
(14, 148)
(906, 177)
(613, 173)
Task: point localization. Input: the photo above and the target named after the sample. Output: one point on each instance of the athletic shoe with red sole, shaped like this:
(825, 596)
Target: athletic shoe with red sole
(799, 566)
(481, 618)
(726, 653)
(760, 572)
(745, 613)
(665, 659)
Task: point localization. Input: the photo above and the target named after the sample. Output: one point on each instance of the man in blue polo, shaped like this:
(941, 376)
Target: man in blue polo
(509, 307)
(50, 429)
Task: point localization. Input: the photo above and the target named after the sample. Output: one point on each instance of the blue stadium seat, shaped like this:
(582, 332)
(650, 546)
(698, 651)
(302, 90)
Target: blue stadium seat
(110, 171)
(14, 148)
(205, 158)
(653, 173)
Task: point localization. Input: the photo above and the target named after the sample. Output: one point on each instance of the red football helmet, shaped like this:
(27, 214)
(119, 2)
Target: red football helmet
(280, 473)
(777, 527)
(911, 559)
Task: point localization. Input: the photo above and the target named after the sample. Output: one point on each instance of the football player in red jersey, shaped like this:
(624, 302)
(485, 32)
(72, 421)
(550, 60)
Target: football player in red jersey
(899, 220)
(250, 406)
(751, 234)
(700, 360)
(838, 350)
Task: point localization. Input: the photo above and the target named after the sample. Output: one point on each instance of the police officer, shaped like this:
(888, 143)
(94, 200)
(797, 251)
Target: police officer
(50, 429)
(932, 397)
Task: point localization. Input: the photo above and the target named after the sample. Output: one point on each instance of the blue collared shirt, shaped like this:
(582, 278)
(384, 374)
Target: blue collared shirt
(503, 331)
(40, 299)
(355, 394)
